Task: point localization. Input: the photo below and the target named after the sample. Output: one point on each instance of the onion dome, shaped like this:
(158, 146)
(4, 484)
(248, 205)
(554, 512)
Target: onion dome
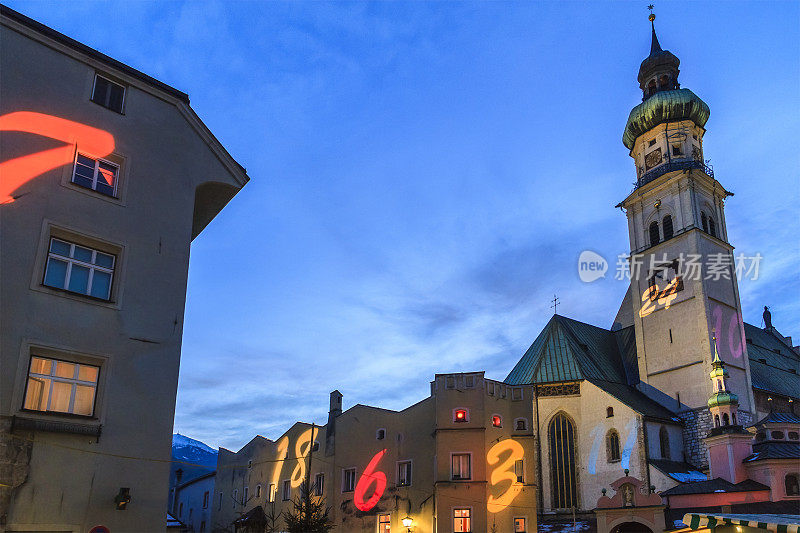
(664, 106)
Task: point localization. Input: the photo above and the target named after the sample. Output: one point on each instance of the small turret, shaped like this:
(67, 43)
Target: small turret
(723, 404)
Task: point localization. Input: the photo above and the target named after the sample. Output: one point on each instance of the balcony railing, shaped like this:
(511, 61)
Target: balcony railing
(684, 164)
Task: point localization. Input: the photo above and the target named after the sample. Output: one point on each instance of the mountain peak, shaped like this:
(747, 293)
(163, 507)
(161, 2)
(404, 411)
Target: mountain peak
(183, 440)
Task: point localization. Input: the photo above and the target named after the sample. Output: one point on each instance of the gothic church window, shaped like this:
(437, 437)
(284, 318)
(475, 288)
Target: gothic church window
(654, 234)
(663, 440)
(561, 439)
(667, 224)
(712, 227)
(704, 222)
(612, 446)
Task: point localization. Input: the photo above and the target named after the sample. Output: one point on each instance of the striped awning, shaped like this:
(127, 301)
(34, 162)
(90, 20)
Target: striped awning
(777, 523)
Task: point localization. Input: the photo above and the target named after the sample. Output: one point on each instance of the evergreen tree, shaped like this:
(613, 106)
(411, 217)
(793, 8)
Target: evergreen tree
(309, 515)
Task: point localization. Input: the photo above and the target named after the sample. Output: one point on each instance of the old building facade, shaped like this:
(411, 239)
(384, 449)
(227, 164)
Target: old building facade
(459, 460)
(107, 177)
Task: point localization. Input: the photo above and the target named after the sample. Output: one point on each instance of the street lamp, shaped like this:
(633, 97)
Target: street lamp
(407, 521)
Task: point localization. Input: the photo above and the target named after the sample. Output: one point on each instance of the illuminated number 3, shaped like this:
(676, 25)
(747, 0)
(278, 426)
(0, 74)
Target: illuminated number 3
(369, 477)
(504, 471)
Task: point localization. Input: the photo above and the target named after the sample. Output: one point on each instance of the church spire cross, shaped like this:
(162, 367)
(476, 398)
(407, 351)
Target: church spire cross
(554, 305)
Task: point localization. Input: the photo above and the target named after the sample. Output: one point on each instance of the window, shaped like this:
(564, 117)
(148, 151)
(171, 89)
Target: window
(677, 149)
(516, 394)
(245, 497)
(561, 439)
(180, 510)
(219, 505)
(667, 224)
(716, 420)
(793, 435)
(462, 520)
(449, 382)
(469, 381)
(663, 440)
(235, 497)
(95, 174)
(380, 434)
(349, 480)
(777, 435)
(520, 424)
(704, 221)
(258, 491)
(191, 511)
(79, 269)
(202, 526)
(287, 490)
(497, 421)
(519, 470)
(460, 415)
(654, 234)
(792, 488)
(760, 436)
(271, 494)
(404, 473)
(712, 228)
(319, 484)
(725, 420)
(384, 523)
(61, 386)
(612, 446)
(651, 143)
(108, 94)
(205, 500)
(315, 446)
(519, 525)
(461, 466)
(609, 412)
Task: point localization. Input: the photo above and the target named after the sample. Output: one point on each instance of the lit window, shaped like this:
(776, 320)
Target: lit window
(61, 386)
(460, 415)
(380, 434)
(287, 490)
(349, 480)
(404, 473)
(79, 269)
(271, 494)
(461, 466)
(497, 421)
(519, 525)
(205, 500)
(319, 484)
(520, 424)
(95, 174)
(384, 523)
(462, 520)
(108, 94)
(519, 470)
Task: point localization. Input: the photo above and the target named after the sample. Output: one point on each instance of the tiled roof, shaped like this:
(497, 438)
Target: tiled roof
(679, 471)
(774, 366)
(714, 485)
(774, 450)
(637, 400)
(778, 418)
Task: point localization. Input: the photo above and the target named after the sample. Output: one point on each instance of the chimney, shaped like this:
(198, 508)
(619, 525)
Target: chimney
(330, 428)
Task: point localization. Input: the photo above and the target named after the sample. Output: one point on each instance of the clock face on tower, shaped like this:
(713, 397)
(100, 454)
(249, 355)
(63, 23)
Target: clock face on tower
(652, 159)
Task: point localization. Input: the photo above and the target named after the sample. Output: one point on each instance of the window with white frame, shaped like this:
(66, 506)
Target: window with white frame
(349, 480)
(79, 269)
(516, 394)
(404, 473)
(461, 466)
(61, 386)
(462, 520)
(384, 523)
(96, 174)
(319, 484)
(287, 490)
(108, 94)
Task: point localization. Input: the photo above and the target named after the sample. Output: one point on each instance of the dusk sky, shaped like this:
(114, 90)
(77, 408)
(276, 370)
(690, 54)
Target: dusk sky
(424, 176)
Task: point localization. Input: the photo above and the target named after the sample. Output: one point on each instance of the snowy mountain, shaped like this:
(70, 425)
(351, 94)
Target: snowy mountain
(195, 458)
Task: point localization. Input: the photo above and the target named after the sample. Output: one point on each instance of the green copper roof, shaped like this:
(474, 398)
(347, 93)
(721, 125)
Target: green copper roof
(723, 398)
(664, 106)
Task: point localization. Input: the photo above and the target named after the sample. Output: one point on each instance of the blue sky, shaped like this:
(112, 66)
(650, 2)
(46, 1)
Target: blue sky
(424, 176)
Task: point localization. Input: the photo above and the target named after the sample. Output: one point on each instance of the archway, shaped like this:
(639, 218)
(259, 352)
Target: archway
(631, 527)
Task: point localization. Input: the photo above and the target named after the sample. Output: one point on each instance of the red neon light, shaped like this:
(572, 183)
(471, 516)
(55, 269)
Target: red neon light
(15, 172)
(365, 481)
(461, 415)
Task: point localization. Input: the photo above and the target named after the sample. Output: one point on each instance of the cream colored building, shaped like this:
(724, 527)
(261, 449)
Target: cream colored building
(107, 177)
(460, 460)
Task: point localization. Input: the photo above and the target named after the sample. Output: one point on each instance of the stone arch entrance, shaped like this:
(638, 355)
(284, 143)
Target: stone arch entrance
(631, 527)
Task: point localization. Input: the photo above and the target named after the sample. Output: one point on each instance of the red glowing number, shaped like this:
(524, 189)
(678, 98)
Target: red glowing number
(15, 172)
(366, 480)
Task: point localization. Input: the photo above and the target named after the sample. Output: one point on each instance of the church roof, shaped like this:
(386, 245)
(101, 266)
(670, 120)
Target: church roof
(774, 450)
(714, 485)
(774, 365)
(777, 418)
(569, 350)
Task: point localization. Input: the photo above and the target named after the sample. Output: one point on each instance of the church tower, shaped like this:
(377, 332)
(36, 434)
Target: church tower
(683, 283)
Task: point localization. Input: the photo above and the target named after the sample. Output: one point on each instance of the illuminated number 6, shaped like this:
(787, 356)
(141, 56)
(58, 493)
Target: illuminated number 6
(369, 477)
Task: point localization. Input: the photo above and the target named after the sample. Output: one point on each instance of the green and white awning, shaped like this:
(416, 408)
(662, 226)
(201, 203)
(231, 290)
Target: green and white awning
(770, 522)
